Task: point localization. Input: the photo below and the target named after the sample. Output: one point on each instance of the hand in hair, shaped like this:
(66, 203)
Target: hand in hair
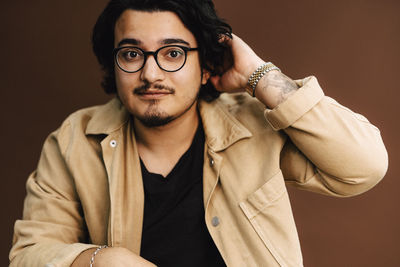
(273, 88)
(244, 62)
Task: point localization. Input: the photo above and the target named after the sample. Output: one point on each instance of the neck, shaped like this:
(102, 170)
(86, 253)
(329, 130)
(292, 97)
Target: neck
(161, 147)
(176, 132)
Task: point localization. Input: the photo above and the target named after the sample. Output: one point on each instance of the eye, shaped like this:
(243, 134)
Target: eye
(175, 53)
(130, 54)
(172, 53)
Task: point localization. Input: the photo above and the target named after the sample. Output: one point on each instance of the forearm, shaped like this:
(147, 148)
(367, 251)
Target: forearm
(341, 152)
(40, 254)
(84, 258)
(115, 256)
(274, 88)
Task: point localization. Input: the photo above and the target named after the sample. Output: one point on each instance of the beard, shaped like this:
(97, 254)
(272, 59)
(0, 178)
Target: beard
(153, 117)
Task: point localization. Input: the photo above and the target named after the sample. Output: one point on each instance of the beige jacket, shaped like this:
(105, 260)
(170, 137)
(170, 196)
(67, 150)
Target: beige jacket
(88, 188)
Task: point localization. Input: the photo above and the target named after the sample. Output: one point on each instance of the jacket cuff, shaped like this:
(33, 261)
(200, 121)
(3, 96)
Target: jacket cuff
(305, 98)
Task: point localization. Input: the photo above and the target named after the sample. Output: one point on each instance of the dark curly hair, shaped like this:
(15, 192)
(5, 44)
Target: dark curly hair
(199, 16)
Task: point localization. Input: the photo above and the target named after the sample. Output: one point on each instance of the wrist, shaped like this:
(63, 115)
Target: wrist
(257, 75)
(274, 88)
(91, 263)
(249, 68)
(118, 256)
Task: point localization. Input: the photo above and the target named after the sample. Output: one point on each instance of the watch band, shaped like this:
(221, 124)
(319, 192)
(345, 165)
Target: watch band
(256, 76)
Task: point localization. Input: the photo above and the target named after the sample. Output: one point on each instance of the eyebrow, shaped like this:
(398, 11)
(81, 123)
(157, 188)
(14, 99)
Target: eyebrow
(132, 41)
(174, 41)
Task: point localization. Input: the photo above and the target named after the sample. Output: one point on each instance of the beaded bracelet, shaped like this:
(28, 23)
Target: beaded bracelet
(95, 253)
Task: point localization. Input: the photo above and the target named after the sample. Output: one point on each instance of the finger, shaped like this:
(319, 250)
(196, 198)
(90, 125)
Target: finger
(224, 38)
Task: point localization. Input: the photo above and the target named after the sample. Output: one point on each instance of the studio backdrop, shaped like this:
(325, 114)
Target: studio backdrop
(47, 71)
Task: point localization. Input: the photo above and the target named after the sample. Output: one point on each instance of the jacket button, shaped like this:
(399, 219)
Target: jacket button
(113, 143)
(215, 221)
(211, 162)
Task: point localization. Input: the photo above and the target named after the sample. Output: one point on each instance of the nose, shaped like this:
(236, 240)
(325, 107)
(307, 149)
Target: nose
(151, 72)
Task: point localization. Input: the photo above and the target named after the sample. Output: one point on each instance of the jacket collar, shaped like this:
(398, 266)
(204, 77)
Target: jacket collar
(108, 118)
(220, 127)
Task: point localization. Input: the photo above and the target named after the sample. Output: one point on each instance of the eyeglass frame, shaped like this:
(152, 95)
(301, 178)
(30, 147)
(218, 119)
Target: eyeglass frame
(154, 54)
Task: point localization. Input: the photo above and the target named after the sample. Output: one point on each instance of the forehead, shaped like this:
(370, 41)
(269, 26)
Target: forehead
(151, 28)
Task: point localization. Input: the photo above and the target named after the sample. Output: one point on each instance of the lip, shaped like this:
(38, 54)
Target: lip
(153, 94)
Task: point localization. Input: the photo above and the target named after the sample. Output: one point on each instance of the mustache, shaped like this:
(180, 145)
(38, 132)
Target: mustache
(143, 88)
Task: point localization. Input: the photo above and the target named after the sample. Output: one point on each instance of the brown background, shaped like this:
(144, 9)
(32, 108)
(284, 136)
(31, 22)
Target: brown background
(47, 71)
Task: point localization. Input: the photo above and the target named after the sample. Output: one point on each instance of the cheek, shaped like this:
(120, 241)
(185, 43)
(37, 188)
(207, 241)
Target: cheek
(124, 88)
(124, 82)
(187, 83)
(189, 75)
(120, 79)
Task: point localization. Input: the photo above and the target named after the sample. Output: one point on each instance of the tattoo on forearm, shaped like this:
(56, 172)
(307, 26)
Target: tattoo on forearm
(285, 85)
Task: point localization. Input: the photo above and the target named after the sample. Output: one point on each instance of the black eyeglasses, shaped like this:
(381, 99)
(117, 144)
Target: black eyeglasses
(169, 58)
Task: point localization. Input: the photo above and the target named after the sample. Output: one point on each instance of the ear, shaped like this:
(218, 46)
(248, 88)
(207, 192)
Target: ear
(205, 76)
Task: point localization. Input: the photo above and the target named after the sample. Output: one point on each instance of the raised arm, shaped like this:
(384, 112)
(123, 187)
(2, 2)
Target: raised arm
(330, 149)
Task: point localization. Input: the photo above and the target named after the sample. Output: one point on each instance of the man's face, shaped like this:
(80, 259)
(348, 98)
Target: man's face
(154, 96)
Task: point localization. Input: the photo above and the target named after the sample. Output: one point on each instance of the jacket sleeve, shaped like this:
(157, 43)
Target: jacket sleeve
(52, 231)
(330, 149)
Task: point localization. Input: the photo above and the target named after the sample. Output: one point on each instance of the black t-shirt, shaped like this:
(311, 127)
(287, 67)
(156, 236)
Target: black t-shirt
(174, 230)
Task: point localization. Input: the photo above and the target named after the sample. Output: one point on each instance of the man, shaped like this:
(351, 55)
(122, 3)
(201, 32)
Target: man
(169, 173)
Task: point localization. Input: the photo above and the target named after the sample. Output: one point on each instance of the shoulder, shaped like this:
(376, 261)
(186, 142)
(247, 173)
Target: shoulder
(235, 110)
(246, 109)
(101, 119)
(94, 120)
(240, 101)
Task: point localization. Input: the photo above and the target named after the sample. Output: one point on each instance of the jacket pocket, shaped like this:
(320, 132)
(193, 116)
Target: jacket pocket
(269, 212)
